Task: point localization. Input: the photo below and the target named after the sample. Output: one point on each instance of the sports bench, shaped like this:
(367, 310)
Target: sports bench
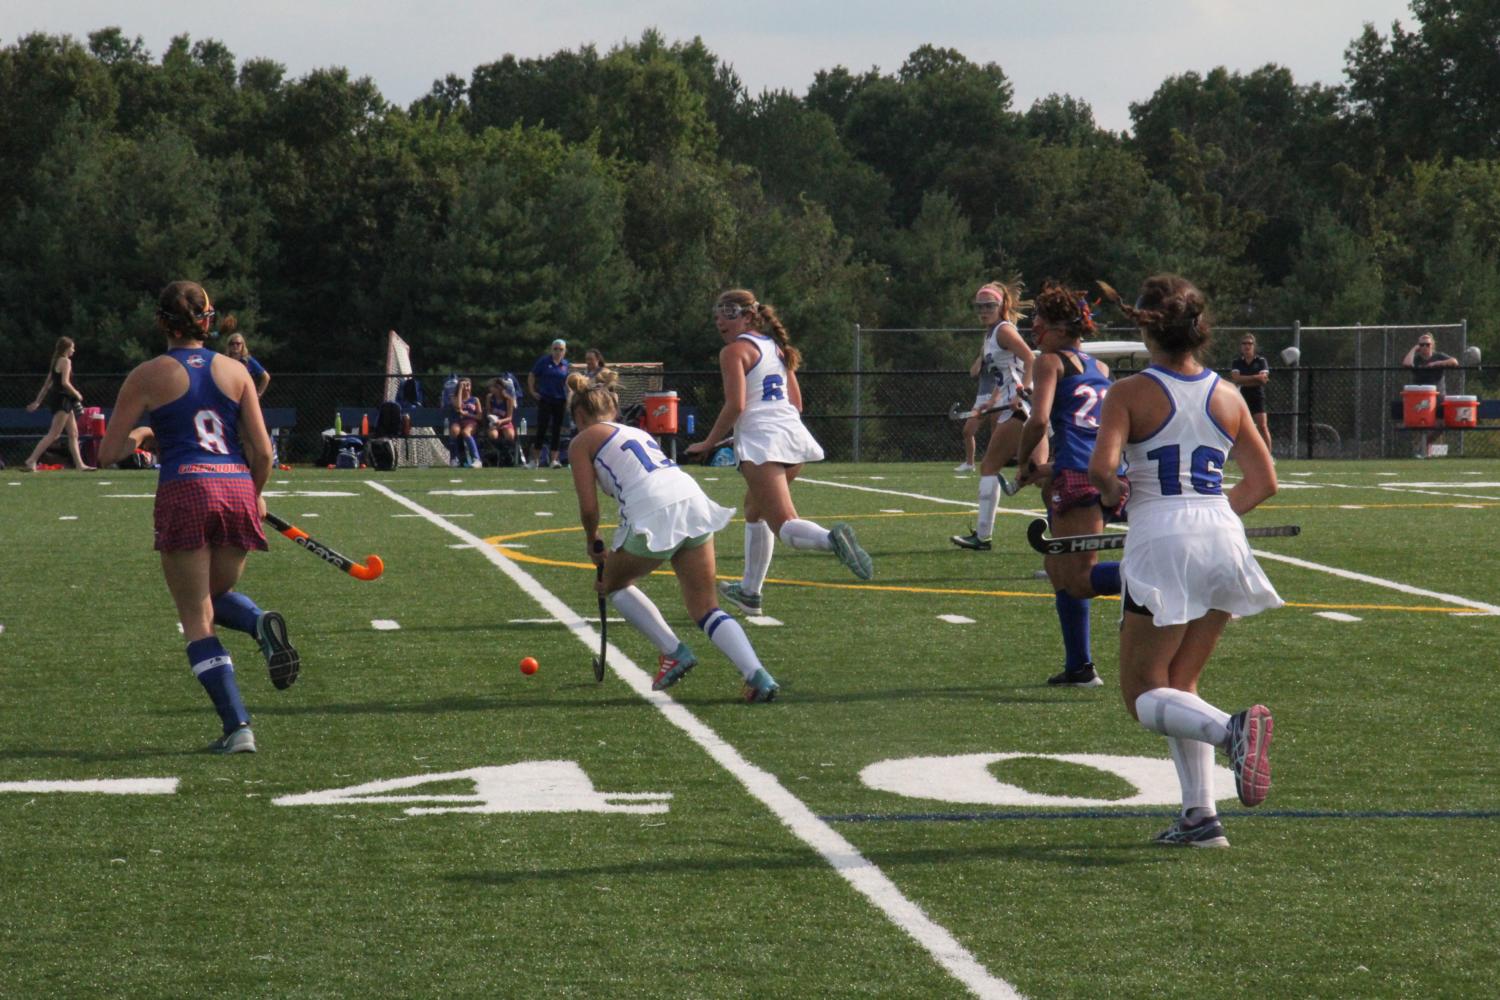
(17, 424)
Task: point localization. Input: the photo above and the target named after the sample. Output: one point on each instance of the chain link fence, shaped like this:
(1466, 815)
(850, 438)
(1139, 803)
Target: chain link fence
(1337, 402)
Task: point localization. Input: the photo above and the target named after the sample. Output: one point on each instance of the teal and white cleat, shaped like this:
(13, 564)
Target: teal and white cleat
(241, 740)
(760, 687)
(734, 594)
(671, 669)
(850, 554)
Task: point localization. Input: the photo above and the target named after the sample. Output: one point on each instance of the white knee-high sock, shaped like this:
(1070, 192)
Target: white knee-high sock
(732, 641)
(1195, 773)
(800, 534)
(1179, 713)
(760, 541)
(989, 500)
(640, 612)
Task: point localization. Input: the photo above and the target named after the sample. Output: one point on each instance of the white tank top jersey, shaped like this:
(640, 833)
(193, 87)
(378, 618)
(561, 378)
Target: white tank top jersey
(632, 468)
(765, 382)
(1182, 462)
(1005, 366)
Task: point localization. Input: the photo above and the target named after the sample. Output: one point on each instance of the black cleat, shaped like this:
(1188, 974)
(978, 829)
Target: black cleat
(971, 541)
(281, 657)
(1083, 677)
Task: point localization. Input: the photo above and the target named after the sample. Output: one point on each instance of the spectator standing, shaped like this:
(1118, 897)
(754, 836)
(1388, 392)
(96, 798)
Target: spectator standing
(548, 385)
(1251, 372)
(236, 348)
(1428, 366)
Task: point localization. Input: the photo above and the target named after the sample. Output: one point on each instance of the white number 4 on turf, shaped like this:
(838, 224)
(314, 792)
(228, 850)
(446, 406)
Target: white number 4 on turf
(534, 786)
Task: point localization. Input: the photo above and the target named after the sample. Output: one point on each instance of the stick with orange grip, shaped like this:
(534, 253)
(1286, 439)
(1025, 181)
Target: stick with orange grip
(369, 570)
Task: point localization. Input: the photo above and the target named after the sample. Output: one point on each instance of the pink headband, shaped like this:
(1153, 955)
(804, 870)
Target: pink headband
(988, 293)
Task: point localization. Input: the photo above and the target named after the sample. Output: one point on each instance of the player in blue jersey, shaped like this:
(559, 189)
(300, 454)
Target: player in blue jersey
(1069, 391)
(215, 458)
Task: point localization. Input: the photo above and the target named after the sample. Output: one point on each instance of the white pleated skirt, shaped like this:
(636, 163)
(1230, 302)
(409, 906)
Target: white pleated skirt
(1183, 561)
(669, 526)
(778, 437)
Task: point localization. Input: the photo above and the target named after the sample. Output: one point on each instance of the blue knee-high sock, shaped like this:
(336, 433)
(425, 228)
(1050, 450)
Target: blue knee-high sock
(215, 671)
(473, 447)
(1073, 616)
(1104, 578)
(234, 610)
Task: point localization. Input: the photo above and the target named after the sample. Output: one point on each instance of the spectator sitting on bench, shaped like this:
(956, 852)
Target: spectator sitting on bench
(500, 417)
(464, 416)
(65, 402)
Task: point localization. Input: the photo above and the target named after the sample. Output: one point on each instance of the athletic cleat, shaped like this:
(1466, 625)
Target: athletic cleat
(1081, 677)
(971, 541)
(964, 467)
(1205, 833)
(671, 669)
(849, 552)
(281, 657)
(1008, 487)
(760, 687)
(1248, 745)
(734, 594)
(242, 740)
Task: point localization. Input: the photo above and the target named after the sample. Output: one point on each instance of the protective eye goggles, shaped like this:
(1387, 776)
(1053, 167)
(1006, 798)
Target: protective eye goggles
(986, 306)
(729, 310)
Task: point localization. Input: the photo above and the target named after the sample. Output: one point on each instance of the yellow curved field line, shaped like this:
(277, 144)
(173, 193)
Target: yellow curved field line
(498, 542)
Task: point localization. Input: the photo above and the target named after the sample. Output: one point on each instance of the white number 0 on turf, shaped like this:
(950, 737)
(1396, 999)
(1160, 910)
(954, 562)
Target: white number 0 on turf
(534, 786)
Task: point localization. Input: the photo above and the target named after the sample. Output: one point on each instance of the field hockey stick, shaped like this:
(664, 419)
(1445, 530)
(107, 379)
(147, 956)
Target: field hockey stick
(369, 570)
(603, 619)
(1071, 544)
(956, 414)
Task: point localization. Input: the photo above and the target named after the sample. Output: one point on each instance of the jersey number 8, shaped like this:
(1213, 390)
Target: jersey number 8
(210, 430)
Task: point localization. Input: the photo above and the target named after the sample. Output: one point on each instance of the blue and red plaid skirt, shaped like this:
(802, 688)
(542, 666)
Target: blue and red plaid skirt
(207, 512)
(1071, 488)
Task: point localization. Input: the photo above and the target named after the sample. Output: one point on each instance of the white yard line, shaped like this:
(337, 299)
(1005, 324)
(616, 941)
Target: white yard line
(794, 814)
(1377, 581)
(1462, 602)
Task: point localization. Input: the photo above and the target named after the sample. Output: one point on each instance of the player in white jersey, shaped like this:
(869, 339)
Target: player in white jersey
(1009, 361)
(664, 515)
(763, 409)
(1187, 565)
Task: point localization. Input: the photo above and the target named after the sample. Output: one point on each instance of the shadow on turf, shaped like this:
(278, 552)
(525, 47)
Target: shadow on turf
(101, 756)
(1082, 855)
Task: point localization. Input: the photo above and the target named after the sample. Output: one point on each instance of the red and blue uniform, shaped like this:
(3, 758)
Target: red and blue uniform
(1075, 429)
(204, 495)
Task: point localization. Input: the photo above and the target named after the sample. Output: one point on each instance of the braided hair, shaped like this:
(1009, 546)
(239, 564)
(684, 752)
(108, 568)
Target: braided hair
(1171, 310)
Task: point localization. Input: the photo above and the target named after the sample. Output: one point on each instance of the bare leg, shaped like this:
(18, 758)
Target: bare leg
(59, 421)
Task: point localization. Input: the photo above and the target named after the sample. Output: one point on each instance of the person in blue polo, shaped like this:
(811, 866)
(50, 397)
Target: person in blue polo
(548, 384)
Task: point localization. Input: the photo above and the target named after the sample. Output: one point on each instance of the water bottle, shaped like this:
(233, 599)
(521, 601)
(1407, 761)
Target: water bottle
(521, 432)
(338, 422)
(690, 423)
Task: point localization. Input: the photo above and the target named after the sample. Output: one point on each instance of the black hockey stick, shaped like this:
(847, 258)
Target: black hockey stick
(956, 414)
(1070, 544)
(603, 620)
(369, 570)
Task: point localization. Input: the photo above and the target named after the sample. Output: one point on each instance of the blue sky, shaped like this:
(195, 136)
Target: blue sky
(1107, 52)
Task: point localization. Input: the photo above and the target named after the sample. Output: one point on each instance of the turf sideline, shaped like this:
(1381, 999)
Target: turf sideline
(803, 823)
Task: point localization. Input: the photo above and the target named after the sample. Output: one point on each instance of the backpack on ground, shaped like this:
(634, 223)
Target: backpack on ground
(383, 454)
(388, 419)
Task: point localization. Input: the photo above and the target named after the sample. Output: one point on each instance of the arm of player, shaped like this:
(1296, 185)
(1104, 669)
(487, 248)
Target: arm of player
(1010, 338)
(1048, 367)
(1114, 429)
(254, 438)
(733, 363)
(1257, 472)
(130, 406)
(581, 462)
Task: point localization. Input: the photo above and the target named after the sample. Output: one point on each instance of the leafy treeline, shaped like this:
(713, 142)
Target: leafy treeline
(608, 198)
